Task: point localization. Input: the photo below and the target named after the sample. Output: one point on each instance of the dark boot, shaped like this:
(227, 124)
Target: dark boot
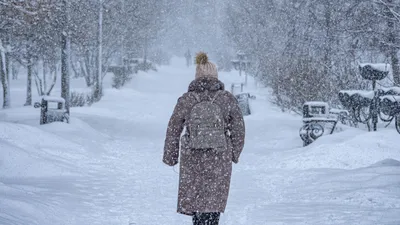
(206, 218)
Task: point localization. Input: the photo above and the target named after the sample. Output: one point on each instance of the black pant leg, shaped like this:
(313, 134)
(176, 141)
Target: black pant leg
(214, 218)
(206, 218)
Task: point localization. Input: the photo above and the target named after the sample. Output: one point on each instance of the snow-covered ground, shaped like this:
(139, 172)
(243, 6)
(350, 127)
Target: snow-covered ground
(105, 167)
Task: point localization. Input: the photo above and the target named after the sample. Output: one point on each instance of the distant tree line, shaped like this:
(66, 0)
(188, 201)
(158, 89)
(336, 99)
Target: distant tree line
(31, 36)
(309, 49)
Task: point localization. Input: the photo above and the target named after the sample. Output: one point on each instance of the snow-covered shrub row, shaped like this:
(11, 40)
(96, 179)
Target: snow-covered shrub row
(80, 99)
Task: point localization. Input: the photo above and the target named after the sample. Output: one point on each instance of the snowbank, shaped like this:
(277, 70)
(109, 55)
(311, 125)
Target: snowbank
(349, 149)
(31, 152)
(39, 170)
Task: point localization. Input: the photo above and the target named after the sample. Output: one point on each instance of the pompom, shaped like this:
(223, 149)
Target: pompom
(201, 58)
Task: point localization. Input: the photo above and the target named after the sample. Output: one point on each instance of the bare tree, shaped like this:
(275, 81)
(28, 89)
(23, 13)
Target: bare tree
(375, 25)
(309, 49)
(49, 73)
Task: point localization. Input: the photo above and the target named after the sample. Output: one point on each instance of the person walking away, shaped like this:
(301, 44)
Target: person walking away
(206, 134)
(188, 57)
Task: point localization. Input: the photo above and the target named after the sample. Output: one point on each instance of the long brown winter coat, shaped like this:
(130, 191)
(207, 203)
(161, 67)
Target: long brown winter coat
(204, 175)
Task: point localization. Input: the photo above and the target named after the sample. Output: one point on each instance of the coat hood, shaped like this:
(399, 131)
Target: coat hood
(206, 83)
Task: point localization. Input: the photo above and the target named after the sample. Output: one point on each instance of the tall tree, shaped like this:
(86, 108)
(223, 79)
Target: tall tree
(4, 77)
(99, 70)
(65, 55)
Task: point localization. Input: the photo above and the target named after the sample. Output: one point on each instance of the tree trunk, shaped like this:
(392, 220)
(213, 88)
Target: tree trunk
(54, 75)
(7, 61)
(145, 49)
(392, 43)
(395, 67)
(65, 54)
(98, 84)
(29, 84)
(39, 86)
(14, 71)
(44, 76)
(4, 81)
(329, 39)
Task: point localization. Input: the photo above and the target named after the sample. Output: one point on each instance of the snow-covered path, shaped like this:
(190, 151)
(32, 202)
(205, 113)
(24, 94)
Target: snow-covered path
(105, 167)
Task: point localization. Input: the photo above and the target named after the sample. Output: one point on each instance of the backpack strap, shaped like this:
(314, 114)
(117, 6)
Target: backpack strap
(196, 96)
(216, 96)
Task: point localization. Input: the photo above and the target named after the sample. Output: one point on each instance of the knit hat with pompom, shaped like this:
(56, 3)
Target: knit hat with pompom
(205, 68)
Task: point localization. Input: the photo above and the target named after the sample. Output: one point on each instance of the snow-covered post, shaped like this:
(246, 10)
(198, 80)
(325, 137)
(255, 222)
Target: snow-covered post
(65, 57)
(98, 85)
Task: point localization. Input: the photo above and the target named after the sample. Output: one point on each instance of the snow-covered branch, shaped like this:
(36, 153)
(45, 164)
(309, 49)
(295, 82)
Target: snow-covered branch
(17, 7)
(395, 14)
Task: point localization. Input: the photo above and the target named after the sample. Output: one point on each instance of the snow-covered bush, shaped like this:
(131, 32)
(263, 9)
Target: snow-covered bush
(145, 66)
(121, 76)
(80, 99)
(159, 57)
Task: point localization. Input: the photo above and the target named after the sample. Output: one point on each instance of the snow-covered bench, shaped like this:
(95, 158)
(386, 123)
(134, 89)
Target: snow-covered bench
(316, 118)
(52, 109)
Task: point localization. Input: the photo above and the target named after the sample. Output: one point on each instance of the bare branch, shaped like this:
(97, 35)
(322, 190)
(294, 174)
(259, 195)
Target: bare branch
(19, 8)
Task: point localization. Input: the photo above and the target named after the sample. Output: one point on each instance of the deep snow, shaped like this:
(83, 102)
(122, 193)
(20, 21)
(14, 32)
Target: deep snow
(105, 167)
